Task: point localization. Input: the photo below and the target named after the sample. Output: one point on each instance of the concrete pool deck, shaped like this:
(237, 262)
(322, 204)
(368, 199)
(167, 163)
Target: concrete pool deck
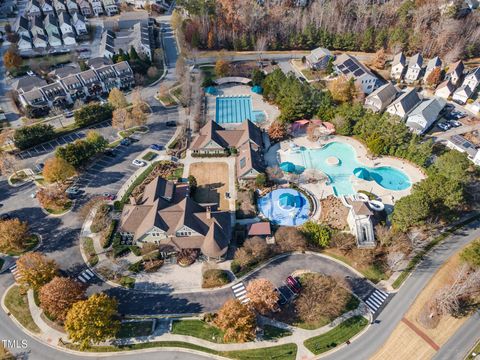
(321, 190)
(271, 111)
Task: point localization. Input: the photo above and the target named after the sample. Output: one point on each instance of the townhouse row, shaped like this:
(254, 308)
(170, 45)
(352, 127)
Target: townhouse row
(71, 84)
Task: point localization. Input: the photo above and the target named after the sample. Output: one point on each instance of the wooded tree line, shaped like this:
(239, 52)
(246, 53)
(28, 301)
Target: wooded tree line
(411, 25)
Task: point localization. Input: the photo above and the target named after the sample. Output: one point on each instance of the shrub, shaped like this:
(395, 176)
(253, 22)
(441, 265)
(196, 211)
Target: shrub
(152, 265)
(100, 220)
(316, 233)
(108, 235)
(214, 277)
(29, 136)
(471, 254)
(187, 257)
(92, 113)
(136, 267)
(235, 267)
(136, 250)
(289, 238)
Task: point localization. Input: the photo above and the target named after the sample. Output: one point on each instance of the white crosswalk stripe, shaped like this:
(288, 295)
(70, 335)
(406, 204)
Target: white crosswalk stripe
(15, 273)
(85, 276)
(376, 300)
(240, 292)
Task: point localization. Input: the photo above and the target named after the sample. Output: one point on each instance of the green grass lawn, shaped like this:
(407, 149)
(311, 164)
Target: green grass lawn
(281, 352)
(199, 329)
(19, 176)
(90, 251)
(338, 335)
(17, 305)
(167, 100)
(176, 174)
(63, 210)
(29, 245)
(135, 329)
(128, 132)
(127, 282)
(149, 156)
(273, 332)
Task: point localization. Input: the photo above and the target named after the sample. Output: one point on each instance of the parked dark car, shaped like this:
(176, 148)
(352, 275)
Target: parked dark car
(293, 284)
(156, 147)
(125, 142)
(5, 217)
(110, 152)
(171, 123)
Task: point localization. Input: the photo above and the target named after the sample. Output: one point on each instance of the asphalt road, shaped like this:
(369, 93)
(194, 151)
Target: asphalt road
(375, 337)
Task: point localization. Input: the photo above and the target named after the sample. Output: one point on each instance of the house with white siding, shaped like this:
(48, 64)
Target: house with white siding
(399, 66)
(404, 104)
(348, 66)
(414, 68)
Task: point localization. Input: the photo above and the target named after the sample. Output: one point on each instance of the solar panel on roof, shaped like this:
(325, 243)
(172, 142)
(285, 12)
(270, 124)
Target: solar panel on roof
(349, 62)
(359, 72)
(353, 67)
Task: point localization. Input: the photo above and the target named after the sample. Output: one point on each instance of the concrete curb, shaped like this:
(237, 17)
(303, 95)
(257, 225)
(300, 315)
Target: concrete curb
(40, 242)
(29, 174)
(58, 215)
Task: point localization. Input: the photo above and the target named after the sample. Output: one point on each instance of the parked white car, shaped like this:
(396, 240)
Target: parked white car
(139, 163)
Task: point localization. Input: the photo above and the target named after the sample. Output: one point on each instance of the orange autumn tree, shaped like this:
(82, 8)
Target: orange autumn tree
(36, 270)
(58, 296)
(262, 295)
(237, 321)
(277, 131)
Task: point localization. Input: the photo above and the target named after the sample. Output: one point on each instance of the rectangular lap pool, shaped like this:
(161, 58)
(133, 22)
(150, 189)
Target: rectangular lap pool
(233, 109)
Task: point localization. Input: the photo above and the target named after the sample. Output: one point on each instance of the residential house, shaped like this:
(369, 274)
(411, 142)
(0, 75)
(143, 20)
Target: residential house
(21, 26)
(142, 40)
(110, 7)
(455, 73)
(85, 8)
(319, 58)
(55, 95)
(34, 98)
(27, 83)
(46, 6)
(98, 62)
(108, 76)
(97, 7)
(472, 79)
(72, 6)
(459, 143)
(166, 215)
(32, 9)
(36, 27)
(40, 41)
(59, 6)
(69, 39)
(424, 115)
(399, 66)
(24, 42)
(414, 68)
(92, 83)
(78, 22)
(107, 44)
(381, 98)
(404, 104)
(74, 87)
(51, 26)
(445, 89)
(433, 64)
(65, 23)
(350, 67)
(125, 75)
(462, 94)
(213, 139)
(53, 31)
(55, 39)
(64, 71)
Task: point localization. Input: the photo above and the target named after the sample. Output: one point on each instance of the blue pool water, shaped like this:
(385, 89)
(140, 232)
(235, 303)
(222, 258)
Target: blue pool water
(234, 109)
(286, 207)
(339, 175)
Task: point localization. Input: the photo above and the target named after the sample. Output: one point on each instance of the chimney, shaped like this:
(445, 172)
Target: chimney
(209, 212)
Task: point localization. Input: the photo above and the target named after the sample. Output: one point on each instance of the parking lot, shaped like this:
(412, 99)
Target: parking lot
(108, 173)
(104, 128)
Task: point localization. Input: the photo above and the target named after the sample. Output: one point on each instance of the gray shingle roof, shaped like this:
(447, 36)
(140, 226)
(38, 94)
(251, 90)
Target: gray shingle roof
(416, 60)
(408, 100)
(399, 59)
